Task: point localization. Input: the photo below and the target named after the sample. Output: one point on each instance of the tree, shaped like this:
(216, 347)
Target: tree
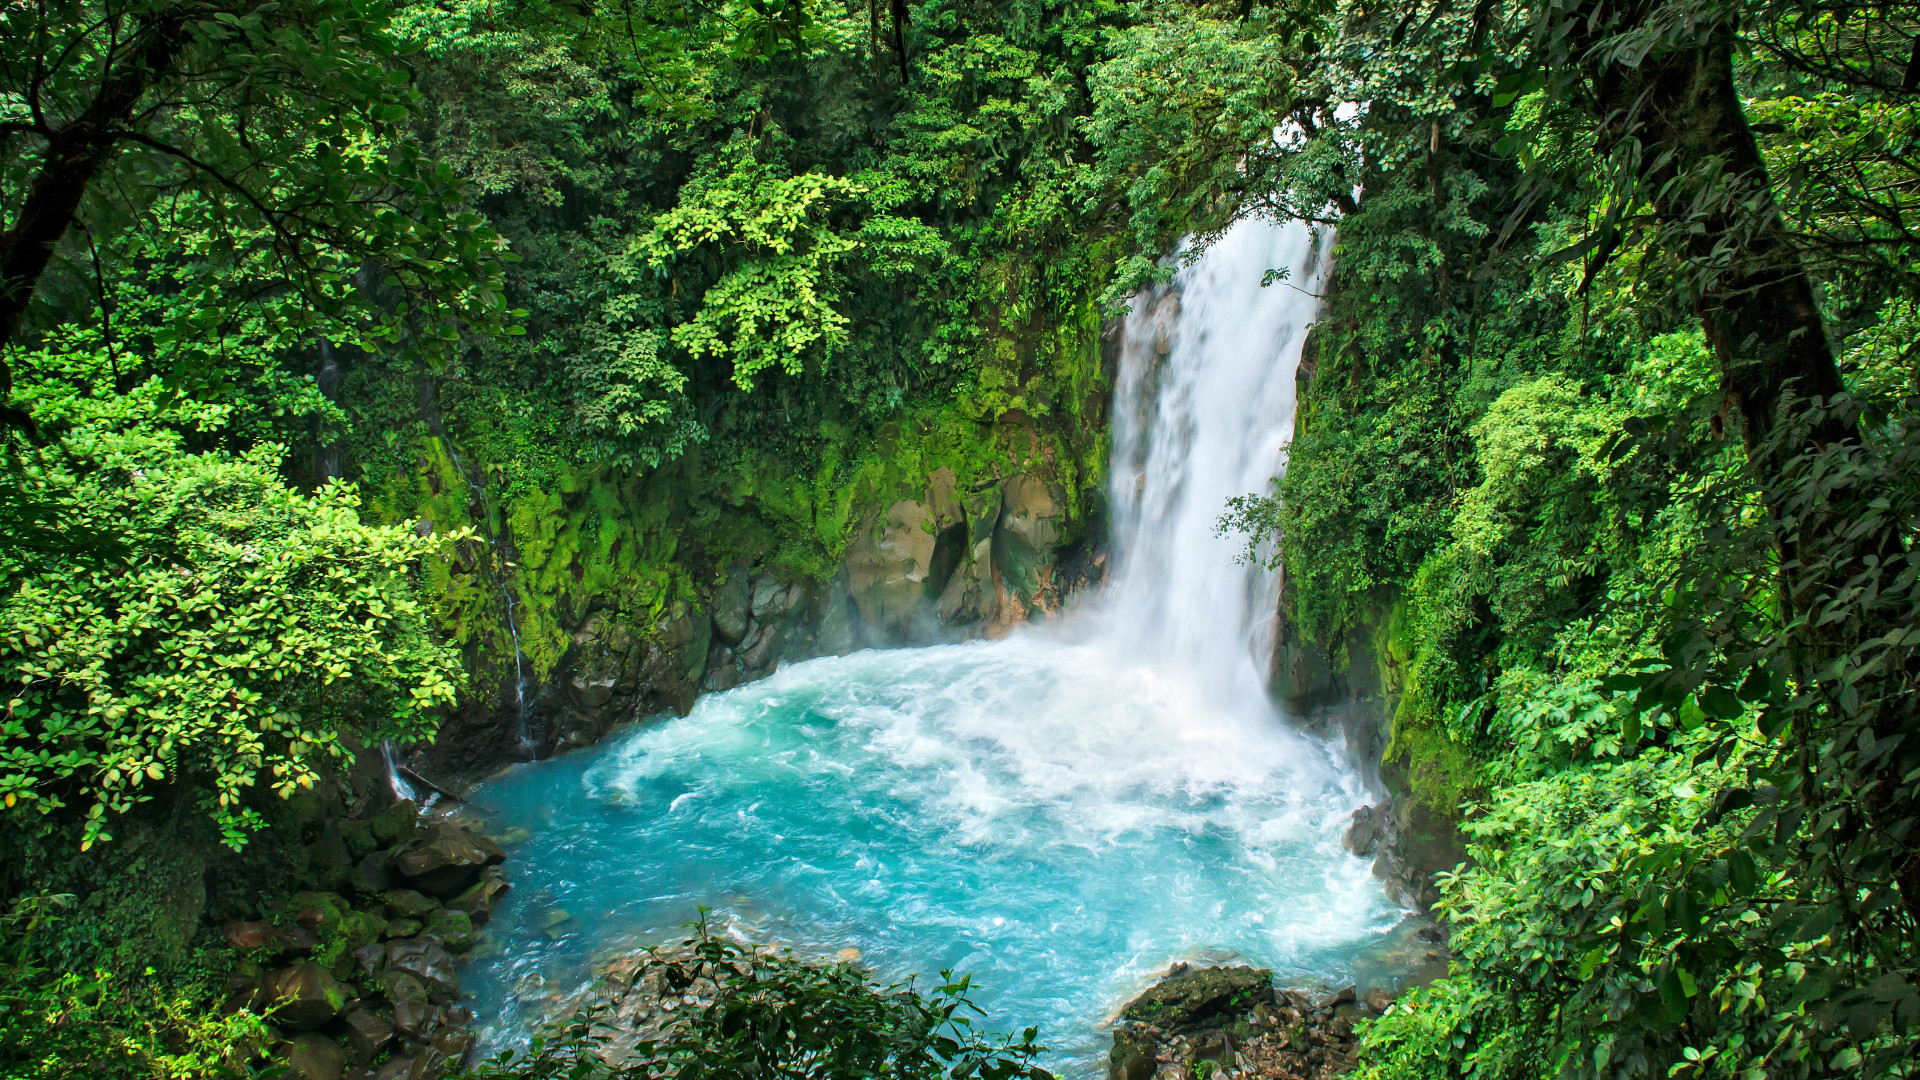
(245, 633)
(264, 131)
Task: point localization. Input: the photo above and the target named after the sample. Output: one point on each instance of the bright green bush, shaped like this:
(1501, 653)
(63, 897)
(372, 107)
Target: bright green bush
(781, 1018)
(235, 631)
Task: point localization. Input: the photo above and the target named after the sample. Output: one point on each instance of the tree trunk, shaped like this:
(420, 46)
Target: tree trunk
(75, 154)
(1752, 294)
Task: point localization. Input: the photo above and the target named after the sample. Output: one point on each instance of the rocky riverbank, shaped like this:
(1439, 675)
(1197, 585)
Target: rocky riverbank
(1229, 1023)
(357, 975)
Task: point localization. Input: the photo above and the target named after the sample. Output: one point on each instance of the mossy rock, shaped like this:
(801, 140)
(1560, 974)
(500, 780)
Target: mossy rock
(1200, 995)
(396, 824)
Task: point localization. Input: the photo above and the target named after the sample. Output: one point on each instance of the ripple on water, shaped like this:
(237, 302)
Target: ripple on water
(1057, 820)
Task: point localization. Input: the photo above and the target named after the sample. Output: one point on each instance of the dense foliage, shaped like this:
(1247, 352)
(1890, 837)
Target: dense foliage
(774, 1015)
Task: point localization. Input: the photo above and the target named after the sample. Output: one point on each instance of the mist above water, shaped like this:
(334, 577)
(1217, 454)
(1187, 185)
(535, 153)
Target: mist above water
(1062, 812)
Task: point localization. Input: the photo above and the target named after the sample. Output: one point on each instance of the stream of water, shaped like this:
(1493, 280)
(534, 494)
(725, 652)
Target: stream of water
(1062, 812)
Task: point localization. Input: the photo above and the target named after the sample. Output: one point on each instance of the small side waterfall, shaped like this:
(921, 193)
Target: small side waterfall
(1203, 412)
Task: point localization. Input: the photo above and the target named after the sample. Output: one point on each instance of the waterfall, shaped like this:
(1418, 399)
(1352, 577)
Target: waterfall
(1203, 412)
(1063, 812)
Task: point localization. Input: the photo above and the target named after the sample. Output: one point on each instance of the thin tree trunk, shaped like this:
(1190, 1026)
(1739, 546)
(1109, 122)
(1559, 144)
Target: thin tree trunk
(75, 154)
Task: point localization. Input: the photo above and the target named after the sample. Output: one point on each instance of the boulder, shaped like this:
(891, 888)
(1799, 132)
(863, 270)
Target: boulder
(400, 1068)
(358, 836)
(361, 928)
(453, 928)
(428, 1064)
(479, 899)
(247, 935)
(454, 1042)
(304, 997)
(417, 1019)
(424, 959)
(1198, 995)
(371, 874)
(320, 912)
(1132, 1057)
(313, 1057)
(398, 986)
(396, 824)
(445, 861)
(369, 1034)
(406, 903)
(368, 957)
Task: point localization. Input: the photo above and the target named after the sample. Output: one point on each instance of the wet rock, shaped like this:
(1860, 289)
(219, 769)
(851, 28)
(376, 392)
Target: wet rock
(445, 861)
(313, 1057)
(675, 658)
(369, 957)
(304, 997)
(400, 1068)
(406, 903)
(1378, 999)
(368, 1034)
(887, 566)
(454, 1042)
(428, 1064)
(453, 928)
(398, 986)
(424, 959)
(479, 899)
(1032, 521)
(402, 928)
(417, 1018)
(732, 607)
(1133, 1056)
(1199, 995)
(1364, 834)
(396, 824)
(371, 874)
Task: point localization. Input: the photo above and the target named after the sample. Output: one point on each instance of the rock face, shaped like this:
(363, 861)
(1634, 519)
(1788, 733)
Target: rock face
(934, 560)
(1229, 1022)
(1352, 689)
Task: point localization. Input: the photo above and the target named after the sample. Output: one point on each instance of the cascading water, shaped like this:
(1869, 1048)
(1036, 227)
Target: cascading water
(1063, 812)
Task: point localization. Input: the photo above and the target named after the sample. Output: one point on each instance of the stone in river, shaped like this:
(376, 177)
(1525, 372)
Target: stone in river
(478, 900)
(445, 861)
(1198, 995)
